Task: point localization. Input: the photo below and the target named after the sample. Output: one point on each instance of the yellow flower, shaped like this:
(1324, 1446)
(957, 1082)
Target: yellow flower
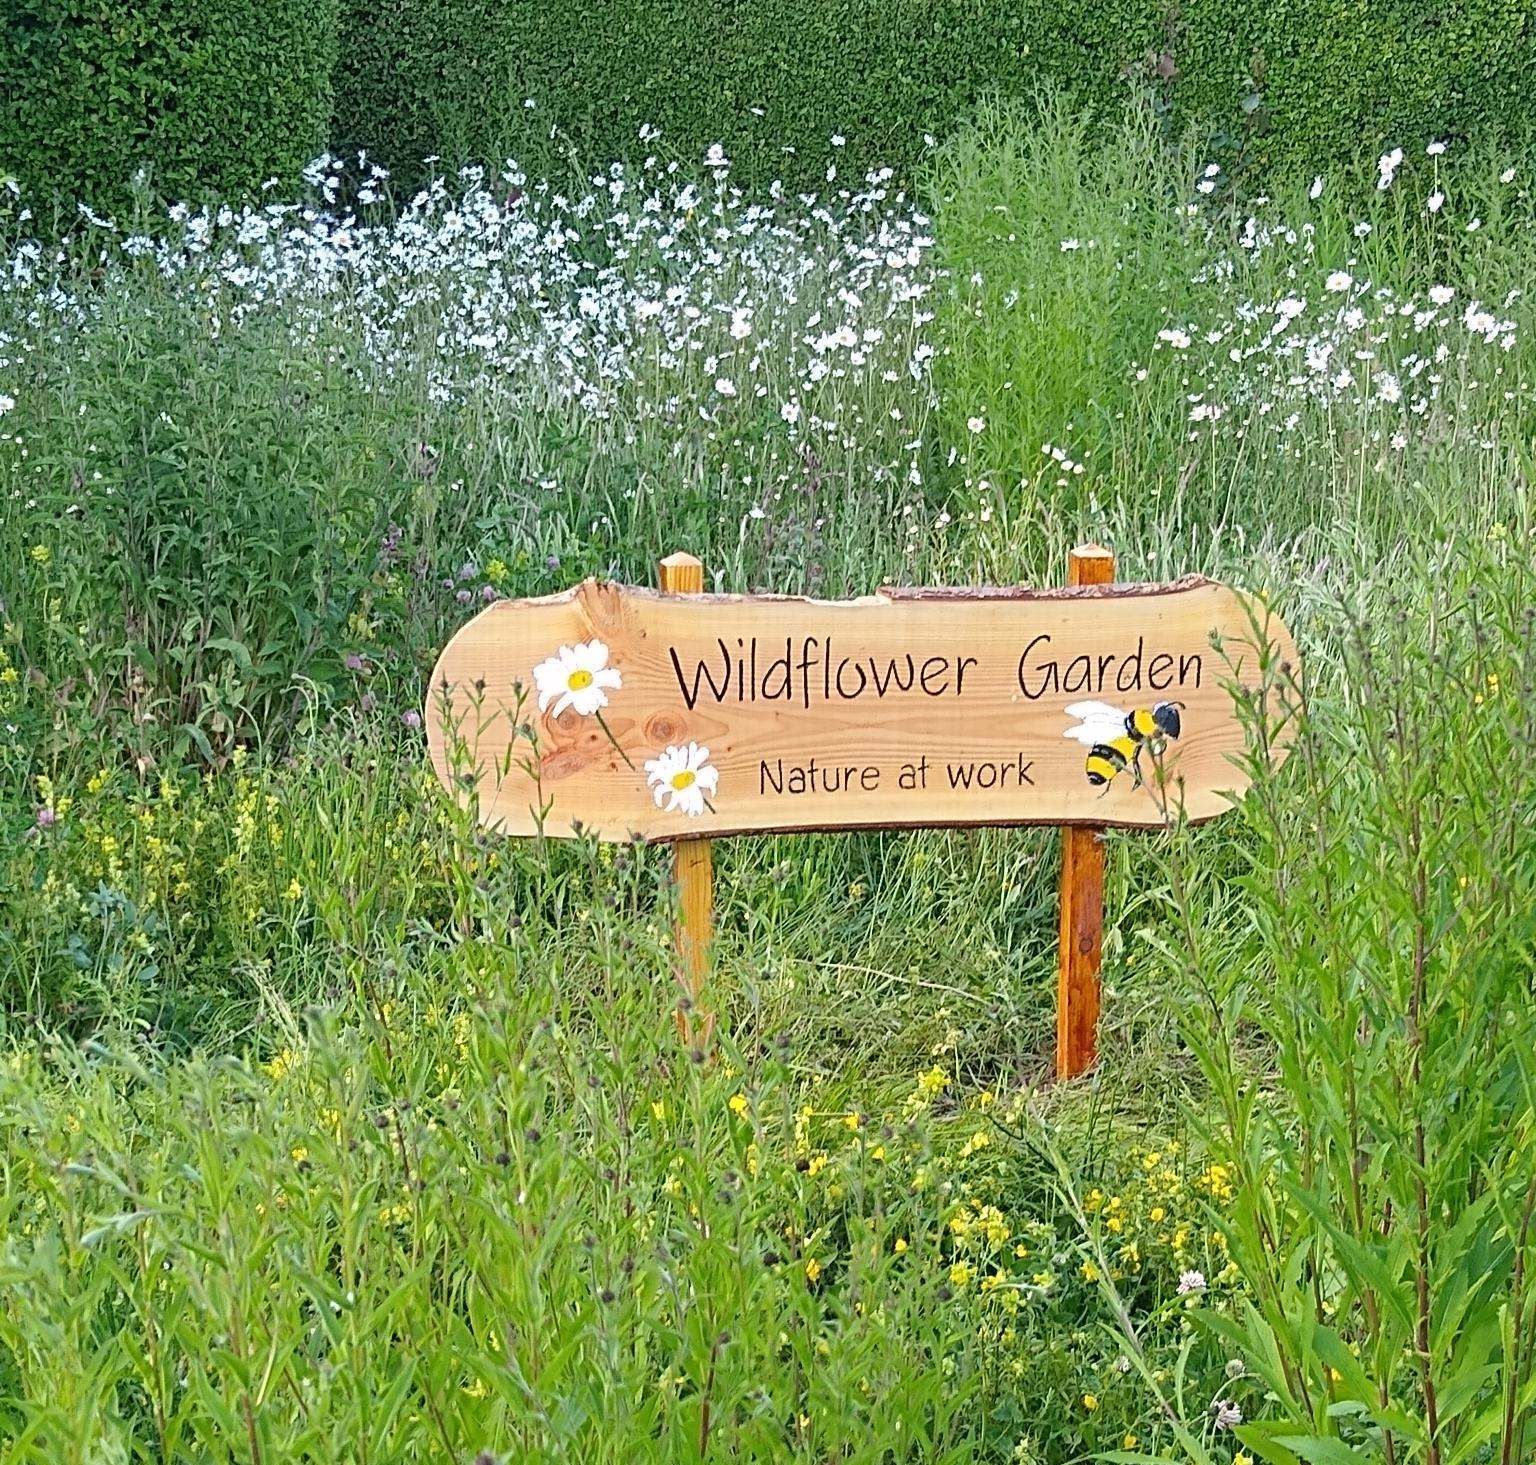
(1090, 1272)
(298, 1154)
(812, 1270)
(658, 1109)
(1090, 1402)
(294, 890)
(278, 1067)
(1130, 1442)
(900, 1245)
(961, 1273)
(930, 1083)
(1242, 1458)
(738, 1105)
(41, 554)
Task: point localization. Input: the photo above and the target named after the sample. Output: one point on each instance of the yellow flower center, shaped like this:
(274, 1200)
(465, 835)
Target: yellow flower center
(684, 778)
(580, 681)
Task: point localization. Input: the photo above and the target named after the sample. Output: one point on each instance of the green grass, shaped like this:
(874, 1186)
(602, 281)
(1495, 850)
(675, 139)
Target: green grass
(333, 1130)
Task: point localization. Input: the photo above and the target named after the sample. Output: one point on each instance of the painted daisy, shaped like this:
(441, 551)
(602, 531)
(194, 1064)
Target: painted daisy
(577, 676)
(685, 776)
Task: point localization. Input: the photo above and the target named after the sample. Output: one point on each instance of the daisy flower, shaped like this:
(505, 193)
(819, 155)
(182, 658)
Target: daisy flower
(577, 676)
(683, 775)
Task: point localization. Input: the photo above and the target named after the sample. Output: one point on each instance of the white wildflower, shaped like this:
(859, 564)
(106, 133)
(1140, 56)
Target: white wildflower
(576, 676)
(682, 777)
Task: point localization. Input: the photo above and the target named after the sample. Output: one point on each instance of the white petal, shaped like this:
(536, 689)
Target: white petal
(709, 779)
(590, 656)
(549, 678)
(589, 700)
(608, 676)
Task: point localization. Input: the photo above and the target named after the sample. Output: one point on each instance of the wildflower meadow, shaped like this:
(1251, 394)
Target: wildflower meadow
(334, 1127)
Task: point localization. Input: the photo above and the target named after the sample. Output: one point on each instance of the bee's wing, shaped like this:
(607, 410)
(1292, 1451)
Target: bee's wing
(1098, 722)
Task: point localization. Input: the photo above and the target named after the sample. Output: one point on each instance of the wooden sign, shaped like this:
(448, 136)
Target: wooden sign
(624, 712)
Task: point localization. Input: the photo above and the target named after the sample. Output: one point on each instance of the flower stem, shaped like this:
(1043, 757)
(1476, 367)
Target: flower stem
(602, 722)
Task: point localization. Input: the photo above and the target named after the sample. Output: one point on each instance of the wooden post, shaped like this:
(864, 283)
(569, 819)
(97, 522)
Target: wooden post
(1081, 936)
(693, 864)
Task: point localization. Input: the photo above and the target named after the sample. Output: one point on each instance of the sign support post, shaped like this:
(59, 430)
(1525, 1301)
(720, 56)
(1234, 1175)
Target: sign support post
(693, 860)
(1081, 937)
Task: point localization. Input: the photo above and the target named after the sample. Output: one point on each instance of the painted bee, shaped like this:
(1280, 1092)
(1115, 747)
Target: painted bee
(1115, 739)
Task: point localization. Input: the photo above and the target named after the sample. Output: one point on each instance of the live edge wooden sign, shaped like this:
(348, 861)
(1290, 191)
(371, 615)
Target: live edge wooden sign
(623, 713)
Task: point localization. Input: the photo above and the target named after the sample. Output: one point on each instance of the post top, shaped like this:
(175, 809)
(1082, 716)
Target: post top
(1092, 552)
(682, 560)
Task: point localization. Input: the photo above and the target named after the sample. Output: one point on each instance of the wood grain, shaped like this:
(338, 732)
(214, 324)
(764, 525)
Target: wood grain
(529, 771)
(1080, 939)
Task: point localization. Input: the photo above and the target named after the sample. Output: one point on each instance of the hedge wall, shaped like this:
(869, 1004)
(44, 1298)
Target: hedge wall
(1309, 80)
(212, 94)
(219, 94)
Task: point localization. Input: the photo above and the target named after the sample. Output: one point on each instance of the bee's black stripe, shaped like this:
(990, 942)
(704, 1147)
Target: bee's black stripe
(1110, 754)
(1103, 763)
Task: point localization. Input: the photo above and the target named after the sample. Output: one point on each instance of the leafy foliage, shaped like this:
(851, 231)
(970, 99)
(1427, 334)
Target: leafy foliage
(1301, 84)
(330, 1124)
(1385, 1192)
(209, 95)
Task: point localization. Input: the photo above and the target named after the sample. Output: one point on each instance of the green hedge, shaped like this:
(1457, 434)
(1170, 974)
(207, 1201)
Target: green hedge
(213, 95)
(219, 94)
(1306, 81)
